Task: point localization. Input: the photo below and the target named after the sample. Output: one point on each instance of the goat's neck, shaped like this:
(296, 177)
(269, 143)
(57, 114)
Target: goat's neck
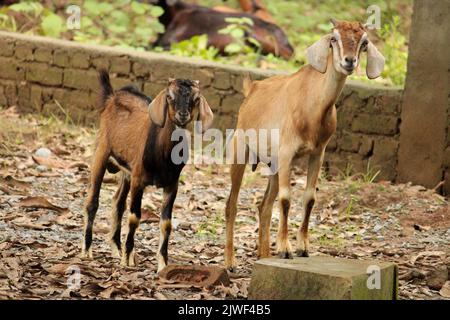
(332, 84)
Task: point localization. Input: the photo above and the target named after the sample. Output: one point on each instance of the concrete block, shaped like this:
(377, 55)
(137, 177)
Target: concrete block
(323, 278)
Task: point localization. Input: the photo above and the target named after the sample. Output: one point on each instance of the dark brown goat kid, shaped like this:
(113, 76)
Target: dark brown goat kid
(135, 138)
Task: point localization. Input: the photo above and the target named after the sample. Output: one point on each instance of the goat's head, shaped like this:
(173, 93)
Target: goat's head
(347, 40)
(178, 102)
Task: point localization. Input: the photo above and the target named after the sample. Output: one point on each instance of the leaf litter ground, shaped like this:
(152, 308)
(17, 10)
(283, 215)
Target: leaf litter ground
(41, 216)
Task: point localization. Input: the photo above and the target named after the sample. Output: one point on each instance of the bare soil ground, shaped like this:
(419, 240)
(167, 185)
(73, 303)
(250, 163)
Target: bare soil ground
(41, 201)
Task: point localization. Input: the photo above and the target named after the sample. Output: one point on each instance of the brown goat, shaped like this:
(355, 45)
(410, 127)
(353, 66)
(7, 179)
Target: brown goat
(302, 107)
(135, 138)
(183, 21)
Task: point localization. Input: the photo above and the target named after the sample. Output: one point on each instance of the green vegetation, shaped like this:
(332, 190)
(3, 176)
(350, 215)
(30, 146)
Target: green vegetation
(127, 23)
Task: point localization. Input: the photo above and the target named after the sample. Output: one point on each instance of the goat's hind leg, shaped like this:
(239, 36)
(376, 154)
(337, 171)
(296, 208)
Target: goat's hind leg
(91, 205)
(137, 191)
(284, 248)
(236, 172)
(265, 215)
(309, 198)
(165, 225)
(118, 208)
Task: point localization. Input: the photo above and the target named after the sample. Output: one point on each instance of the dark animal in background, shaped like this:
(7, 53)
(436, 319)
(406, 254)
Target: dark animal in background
(182, 21)
(135, 138)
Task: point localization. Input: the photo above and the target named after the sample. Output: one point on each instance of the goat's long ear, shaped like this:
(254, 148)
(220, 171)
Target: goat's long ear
(158, 108)
(317, 54)
(205, 114)
(375, 61)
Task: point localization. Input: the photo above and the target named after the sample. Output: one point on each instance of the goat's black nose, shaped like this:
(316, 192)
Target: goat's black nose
(350, 60)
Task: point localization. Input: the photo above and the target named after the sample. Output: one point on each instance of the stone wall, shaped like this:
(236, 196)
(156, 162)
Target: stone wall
(47, 76)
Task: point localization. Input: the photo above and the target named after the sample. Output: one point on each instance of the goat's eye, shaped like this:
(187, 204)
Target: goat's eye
(333, 39)
(364, 44)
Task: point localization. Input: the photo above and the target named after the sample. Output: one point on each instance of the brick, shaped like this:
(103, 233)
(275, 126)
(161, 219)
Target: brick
(385, 157)
(152, 89)
(100, 63)
(205, 76)
(232, 103)
(366, 147)
(389, 104)
(71, 99)
(120, 65)
(61, 58)
(81, 79)
(141, 69)
(24, 51)
(352, 103)
(222, 80)
(376, 124)
(10, 91)
(44, 74)
(80, 60)
(345, 118)
(10, 69)
(36, 98)
(6, 47)
(23, 97)
(118, 83)
(349, 142)
(43, 54)
(213, 98)
(3, 100)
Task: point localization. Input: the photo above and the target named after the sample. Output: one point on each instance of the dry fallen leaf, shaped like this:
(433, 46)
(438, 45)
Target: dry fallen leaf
(40, 202)
(51, 162)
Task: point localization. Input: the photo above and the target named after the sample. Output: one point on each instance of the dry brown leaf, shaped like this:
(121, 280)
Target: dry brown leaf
(427, 254)
(51, 162)
(149, 216)
(40, 202)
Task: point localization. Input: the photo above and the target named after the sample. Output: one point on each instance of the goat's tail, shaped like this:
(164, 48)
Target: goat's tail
(106, 89)
(246, 85)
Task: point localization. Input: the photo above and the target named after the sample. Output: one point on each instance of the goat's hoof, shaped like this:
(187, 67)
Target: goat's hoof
(160, 268)
(115, 251)
(285, 255)
(232, 269)
(128, 260)
(86, 255)
(302, 253)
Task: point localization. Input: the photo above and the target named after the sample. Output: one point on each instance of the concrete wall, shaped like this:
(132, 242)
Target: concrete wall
(424, 143)
(44, 75)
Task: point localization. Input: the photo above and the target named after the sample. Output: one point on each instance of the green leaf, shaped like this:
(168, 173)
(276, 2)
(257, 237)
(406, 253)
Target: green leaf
(137, 7)
(237, 33)
(233, 48)
(156, 11)
(52, 25)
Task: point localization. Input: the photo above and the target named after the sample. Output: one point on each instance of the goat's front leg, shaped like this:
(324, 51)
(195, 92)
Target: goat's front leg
(134, 218)
(309, 198)
(284, 249)
(165, 225)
